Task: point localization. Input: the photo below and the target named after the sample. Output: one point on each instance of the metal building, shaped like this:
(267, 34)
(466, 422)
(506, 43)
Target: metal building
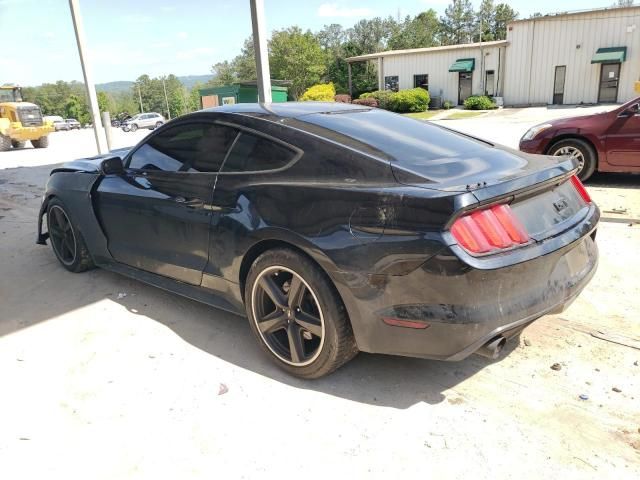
(452, 72)
(581, 57)
(568, 58)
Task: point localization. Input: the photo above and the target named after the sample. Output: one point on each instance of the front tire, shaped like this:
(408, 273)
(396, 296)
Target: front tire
(42, 142)
(66, 240)
(133, 127)
(297, 316)
(5, 143)
(158, 124)
(17, 144)
(581, 151)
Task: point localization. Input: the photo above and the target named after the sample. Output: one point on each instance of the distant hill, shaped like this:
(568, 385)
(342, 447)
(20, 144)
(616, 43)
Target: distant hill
(123, 85)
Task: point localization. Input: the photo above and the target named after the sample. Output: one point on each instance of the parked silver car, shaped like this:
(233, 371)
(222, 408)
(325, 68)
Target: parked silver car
(73, 123)
(143, 120)
(61, 125)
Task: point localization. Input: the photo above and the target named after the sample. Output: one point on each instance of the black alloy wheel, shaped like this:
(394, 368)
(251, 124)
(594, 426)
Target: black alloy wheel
(62, 236)
(288, 316)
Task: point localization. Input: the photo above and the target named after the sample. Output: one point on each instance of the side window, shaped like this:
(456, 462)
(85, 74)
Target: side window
(193, 147)
(252, 153)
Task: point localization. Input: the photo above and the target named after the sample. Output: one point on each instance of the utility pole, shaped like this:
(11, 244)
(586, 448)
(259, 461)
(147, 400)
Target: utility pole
(166, 99)
(261, 53)
(140, 98)
(88, 77)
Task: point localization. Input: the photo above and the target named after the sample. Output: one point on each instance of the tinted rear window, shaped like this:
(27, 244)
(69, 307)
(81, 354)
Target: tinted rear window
(408, 141)
(252, 153)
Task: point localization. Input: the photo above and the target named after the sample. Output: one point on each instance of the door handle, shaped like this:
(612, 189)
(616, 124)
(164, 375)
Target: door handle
(189, 203)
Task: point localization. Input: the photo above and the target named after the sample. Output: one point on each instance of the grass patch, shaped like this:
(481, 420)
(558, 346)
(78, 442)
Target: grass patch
(422, 115)
(463, 114)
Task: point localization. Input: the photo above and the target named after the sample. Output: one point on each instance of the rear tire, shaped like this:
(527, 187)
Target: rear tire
(579, 149)
(17, 144)
(158, 124)
(66, 240)
(5, 143)
(307, 331)
(42, 142)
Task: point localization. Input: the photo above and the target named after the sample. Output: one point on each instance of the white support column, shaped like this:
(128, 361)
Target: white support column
(261, 52)
(380, 73)
(88, 77)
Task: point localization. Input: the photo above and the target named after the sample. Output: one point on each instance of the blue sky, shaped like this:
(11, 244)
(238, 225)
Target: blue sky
(130, 37)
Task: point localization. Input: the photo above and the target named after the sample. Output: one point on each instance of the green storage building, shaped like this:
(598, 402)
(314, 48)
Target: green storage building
(243, 92)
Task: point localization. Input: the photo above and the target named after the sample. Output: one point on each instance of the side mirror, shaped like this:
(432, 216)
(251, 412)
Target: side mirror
(112, 166)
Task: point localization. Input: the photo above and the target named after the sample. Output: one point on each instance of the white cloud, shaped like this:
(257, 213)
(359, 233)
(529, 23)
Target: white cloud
(182, 35)
(335, 10)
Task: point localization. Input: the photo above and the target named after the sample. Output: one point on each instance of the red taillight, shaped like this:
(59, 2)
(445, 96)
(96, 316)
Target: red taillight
(494, 228)
(580, 188)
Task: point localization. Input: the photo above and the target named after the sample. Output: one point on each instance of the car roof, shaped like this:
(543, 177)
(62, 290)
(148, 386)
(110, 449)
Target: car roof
(286, 109)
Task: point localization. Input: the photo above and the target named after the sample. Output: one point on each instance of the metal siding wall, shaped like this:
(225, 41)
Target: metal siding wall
(554, 43)
(436, 65)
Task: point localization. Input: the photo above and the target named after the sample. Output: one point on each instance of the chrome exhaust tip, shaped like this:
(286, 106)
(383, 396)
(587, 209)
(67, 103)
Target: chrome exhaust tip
(492, 348)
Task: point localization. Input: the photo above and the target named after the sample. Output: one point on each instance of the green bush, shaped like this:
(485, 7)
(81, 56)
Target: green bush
(479, 102)
(447, 105)
(382, 97)
(323, 92)
(412, 100)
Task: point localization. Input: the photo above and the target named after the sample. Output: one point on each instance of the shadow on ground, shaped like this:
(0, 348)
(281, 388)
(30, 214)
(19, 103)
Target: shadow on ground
(35, 288)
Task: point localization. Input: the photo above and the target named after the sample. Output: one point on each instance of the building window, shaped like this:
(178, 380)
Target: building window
(391, 83)
(421, 81)
(490, 83)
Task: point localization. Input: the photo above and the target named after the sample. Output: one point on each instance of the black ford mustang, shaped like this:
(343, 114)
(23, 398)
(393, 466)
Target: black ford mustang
(335, 228)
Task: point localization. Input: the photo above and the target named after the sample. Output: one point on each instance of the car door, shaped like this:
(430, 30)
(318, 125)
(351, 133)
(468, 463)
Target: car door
(156, 216)
(254, 161)
(623, 139)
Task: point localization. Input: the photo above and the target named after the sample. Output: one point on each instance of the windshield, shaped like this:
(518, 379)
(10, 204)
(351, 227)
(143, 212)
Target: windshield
(10, 95)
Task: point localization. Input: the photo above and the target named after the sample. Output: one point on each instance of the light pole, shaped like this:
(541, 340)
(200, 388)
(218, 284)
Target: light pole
(88, 77)
(166, 100)
(261, 53)
(140, 98)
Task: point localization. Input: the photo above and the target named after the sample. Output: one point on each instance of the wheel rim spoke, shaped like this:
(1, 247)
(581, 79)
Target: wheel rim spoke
(274, 292)
(273, 322)
(296, 346)
(309, 322)
(288, 316)
(296, 292)
(62, 236)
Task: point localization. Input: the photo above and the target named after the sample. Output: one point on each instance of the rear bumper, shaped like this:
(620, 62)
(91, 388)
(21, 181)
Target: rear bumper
(464, 306)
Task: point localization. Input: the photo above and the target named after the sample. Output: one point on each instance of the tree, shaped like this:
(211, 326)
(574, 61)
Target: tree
(504, 14)
(244, 64)
(296, 56)
(458, 23)
(487, 20)
(224, 74)
(421, 31)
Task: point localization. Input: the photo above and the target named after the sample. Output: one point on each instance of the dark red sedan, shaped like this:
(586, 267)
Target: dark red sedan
(603, 142)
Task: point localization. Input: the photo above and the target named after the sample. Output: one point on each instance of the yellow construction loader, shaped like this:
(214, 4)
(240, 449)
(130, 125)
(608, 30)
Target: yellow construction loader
(20, 121)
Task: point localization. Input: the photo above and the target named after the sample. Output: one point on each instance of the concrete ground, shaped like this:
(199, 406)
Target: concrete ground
(104, 377)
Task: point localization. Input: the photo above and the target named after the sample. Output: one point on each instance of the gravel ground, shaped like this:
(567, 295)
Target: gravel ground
(104, 377)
